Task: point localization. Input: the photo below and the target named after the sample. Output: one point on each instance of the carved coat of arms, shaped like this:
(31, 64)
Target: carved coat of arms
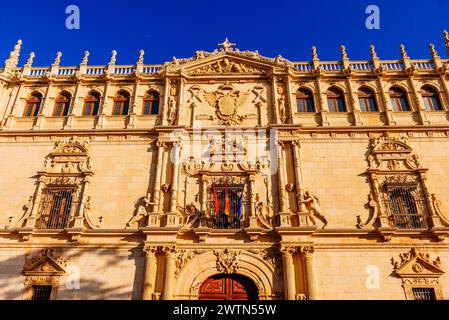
(227, 101)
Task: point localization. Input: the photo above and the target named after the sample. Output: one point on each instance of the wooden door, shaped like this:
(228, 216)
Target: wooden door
(228, 287)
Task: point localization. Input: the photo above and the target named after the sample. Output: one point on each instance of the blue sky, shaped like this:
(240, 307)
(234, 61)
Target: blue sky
(167, 28)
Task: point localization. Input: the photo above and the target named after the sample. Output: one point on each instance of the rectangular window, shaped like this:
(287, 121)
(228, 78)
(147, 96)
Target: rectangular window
(423, 293)
(229, 214)
(41, 292)
(54, 211)
(406, 208)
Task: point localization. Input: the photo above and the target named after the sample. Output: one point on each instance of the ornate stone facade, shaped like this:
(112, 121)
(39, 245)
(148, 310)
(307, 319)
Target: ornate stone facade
(333, 169)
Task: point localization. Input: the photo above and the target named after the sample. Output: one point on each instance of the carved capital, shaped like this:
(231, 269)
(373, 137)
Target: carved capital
(288, 251)
(307, 251)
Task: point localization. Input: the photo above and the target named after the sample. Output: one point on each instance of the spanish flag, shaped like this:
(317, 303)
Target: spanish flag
(227, 201)
(216, 201)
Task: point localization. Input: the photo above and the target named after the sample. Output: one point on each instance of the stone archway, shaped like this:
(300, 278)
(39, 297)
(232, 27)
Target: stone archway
(228, 287)
(268, 281)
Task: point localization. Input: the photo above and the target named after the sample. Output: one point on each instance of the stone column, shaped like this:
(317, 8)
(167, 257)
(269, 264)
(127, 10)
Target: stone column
(298, 175)
(170, 269)
(307, 252)
(149, 272)
(70, 120)
(157, 178)
(104, 106)
(251, 217)
(31, 221)
(281, 177)
(175, 179)
(274, 100)
(44, 112)
(289, 273)
(10, 120)
(79, 218)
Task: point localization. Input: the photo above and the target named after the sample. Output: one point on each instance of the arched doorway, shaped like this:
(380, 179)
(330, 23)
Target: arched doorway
(228, 287)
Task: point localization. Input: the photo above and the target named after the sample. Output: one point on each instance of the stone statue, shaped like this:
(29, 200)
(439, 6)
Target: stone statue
(313, 206)
(192, 215)
(141, 212)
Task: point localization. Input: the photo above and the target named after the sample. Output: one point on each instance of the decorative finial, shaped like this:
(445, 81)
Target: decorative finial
(58, 59)
(433, 51)
(141, 55)
(30, 60)
(373, 52)
(85, 58)
(13, 59)
(227, 46)
(344, 55)
(403, 52)
(314, 53)
(446, 40)
(113, 57)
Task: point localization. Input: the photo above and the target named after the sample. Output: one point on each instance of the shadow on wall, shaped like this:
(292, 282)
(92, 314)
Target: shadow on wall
(104, 274)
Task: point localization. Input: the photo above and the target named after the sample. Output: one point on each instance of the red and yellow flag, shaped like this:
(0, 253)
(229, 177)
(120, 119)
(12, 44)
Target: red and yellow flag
(227, 201)
(216, 201)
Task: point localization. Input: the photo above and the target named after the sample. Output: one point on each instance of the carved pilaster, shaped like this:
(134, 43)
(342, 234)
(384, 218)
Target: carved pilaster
(307, 253)
(289, 272)
(170, 269)
(149, 274)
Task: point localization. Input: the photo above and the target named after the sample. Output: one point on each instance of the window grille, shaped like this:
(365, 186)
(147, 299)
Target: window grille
(55, 208)
(233, 220)
(423, 293)
(41, 292)
(405, 208)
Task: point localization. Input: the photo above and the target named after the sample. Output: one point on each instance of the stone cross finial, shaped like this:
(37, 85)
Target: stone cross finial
(113, 57)
(373, 52)
(403, 52)
(85, 58)
(344, 55)
(58, 59)
(141, 55)
(314, 53)
(13, 59)
(433, 51)
(226, 45)
(30, 60)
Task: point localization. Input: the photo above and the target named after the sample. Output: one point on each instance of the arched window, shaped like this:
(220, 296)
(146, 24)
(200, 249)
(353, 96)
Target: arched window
(91, 104)
(335, 100)
(33, 105)
(121, 104)
(431, 99)
(62, 105)
(367, 100)
(304, 99)
(399, 100)
(151, 103)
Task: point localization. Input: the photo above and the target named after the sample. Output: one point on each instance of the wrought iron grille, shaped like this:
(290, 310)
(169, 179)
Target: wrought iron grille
(55, 208)
(41, 292)
(222, 220)
(423, 293)
(405, 208)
